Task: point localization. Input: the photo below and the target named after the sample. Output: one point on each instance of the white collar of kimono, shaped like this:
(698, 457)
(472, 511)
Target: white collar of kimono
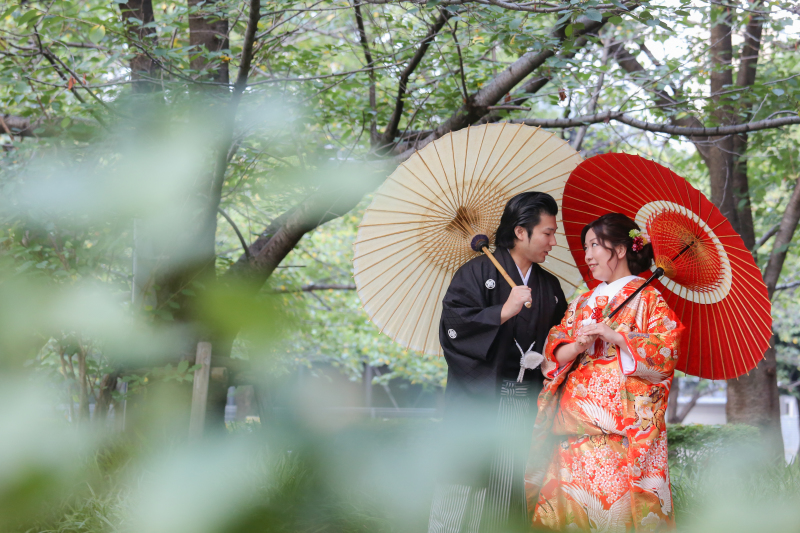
(609, 289)
(526, 276)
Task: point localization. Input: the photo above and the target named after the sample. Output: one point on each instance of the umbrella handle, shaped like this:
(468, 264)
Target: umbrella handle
(502, 271)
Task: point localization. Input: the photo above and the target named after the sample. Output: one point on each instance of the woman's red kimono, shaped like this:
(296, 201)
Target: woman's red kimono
(599, 454)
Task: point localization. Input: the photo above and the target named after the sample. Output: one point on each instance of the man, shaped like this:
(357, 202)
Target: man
(484, 328)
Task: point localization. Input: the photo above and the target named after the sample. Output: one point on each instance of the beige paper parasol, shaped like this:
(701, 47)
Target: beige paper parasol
(429, 214)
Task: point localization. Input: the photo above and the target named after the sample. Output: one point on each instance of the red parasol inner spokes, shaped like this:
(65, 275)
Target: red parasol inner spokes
(700, 267)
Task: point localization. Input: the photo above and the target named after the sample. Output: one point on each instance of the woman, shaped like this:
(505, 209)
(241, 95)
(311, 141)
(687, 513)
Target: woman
(601, 412)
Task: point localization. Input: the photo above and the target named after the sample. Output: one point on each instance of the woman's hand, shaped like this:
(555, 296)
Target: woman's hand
(604, 332)
(566, 353)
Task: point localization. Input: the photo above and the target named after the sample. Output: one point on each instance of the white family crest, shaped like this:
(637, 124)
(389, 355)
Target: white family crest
(490, 284)
(451, 333)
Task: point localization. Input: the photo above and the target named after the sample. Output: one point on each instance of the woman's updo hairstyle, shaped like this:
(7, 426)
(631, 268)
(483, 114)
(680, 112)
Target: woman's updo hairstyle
(613, 230)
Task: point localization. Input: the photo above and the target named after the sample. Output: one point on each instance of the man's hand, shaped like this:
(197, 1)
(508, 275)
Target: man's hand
(519, 295)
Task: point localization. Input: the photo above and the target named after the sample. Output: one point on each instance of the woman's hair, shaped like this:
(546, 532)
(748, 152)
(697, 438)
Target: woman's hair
(613, 230)
(524, 210)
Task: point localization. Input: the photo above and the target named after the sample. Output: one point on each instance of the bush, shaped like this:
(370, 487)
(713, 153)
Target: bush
(694, 445)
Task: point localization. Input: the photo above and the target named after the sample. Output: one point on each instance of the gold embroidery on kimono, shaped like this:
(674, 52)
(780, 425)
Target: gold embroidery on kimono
(599, 456)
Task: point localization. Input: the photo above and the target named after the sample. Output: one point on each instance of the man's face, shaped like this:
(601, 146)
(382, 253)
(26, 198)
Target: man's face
(543, 237)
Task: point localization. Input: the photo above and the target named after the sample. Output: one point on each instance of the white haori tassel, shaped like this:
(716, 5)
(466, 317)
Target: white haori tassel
(530, 360)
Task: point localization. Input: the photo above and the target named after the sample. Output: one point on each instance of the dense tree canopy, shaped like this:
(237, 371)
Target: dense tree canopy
(203, 141)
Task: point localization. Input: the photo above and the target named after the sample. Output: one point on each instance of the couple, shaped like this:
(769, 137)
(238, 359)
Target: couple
(598, 456)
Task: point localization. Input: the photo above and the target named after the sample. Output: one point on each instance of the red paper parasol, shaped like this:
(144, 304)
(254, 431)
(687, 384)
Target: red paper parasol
(714, 286)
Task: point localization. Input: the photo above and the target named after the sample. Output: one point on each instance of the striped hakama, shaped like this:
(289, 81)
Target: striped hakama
(471, 509)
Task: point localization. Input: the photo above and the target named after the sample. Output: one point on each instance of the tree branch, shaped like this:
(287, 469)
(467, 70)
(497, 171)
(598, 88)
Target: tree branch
(659, 128)
(236, 229)
(394, 121)
(631, 65)
(764, 238)
(318, 287)
(578, 140)
(373, 105)
(783, 239)
(477, 106)
(786, 286)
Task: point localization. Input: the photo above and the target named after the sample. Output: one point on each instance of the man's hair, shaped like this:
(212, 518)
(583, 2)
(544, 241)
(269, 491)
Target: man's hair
(524, 210)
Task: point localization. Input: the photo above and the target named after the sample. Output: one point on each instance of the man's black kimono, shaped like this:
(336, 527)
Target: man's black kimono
(480, 352)
(485, 436)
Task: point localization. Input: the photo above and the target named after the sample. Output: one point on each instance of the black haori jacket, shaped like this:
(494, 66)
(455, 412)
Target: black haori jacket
(480, 352)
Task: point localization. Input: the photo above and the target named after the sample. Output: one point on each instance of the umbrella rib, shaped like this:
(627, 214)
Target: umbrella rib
(492, 176)
(427, 334)
(509, 186)
(522, 160)
(419, 315)
(464, 169)
(667, 192)
(377, 292)
(444, 215)
(728, 319)
(744, 272)
(755, 300)
(453, 195)
(383, 236)
(511, 183)
(612, 181)
(559, 276)
(434, 204)
(390, 267)
(488, 157)
(387, 245)
(691, 327)
(396, 288)
(472, 181)
(430, 172)
(609, 181)
(376, 210)
(716, 331)
(487, 182)
(455, 168)
(443, 195)
(735, 307)
(618, 193)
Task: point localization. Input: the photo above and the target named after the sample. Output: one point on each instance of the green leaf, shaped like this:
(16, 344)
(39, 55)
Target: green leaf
(593, 14)
(568, 31)
(777, 92)
(183, 366)
(97, 33)
(27, 17)
(616, 19)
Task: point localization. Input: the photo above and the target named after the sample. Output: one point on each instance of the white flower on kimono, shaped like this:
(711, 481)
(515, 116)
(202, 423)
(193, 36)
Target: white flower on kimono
(669, 324)
(653, 522)
(634, 470)
(666, 352)
(580, 390)
(566, 475)
(641, 351)
(573, 527)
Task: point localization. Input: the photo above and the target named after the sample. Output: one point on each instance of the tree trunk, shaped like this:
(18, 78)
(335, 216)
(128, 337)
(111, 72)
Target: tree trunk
(208, 33)
(752, 399)
(140, 35)
(720, 156)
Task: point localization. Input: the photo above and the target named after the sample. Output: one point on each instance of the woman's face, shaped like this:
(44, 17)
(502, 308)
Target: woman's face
(602, 262)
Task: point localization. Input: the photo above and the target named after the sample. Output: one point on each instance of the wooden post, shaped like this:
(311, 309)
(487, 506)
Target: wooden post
(200, 390)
